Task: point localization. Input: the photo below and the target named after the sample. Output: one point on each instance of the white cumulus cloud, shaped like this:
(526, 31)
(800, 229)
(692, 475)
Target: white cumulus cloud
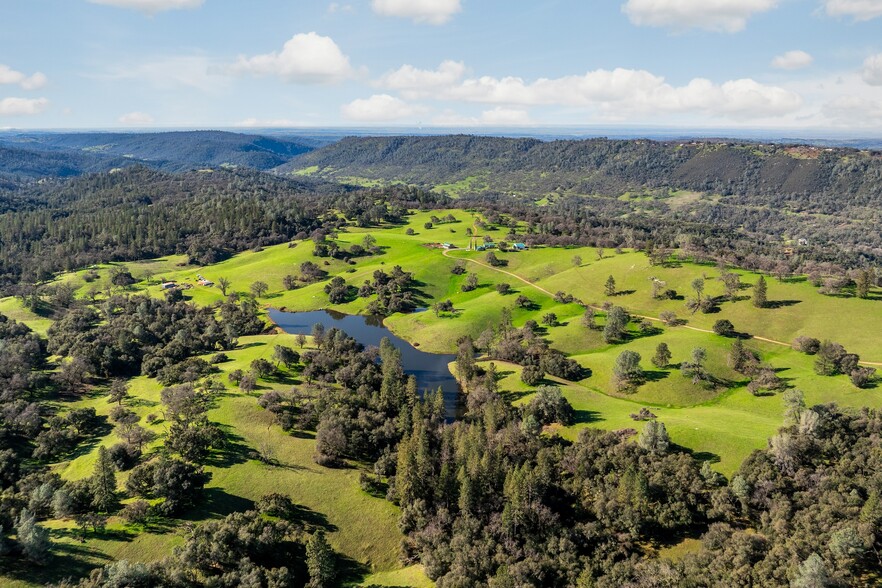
(306, 58)
(413, 82)
(792, 60)
(151, 6)
(872, 72)
(728, 16)
(26, 82)
(436, 12)
(614, 94)
(379, 108)
(136, 119)
(22, 106)
(857, 9)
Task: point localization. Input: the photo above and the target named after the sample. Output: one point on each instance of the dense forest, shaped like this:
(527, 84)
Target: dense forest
(139, 213)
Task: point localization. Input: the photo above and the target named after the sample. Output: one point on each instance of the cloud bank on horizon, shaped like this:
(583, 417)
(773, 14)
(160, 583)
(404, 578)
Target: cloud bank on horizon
(798, 64)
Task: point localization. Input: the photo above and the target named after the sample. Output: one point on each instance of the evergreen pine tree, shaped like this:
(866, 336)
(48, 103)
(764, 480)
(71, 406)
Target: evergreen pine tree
(760, 293)
(610, 287)
(320, 561)
(103, 482)
(662, 357)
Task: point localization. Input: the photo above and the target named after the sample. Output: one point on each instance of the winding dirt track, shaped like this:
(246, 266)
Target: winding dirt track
(446, 253)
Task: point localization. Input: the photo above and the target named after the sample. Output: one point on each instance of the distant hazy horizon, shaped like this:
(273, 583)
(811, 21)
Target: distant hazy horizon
(826, 137)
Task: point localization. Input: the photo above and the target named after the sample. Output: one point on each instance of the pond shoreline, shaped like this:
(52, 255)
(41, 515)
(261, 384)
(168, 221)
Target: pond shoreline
(431, 370)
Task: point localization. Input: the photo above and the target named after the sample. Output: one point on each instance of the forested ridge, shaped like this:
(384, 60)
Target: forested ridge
(610, 167)
(140, 213)
(832, 198)
(37, 155)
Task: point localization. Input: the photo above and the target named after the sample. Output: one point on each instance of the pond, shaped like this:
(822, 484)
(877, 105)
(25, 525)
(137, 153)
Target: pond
(430, 369)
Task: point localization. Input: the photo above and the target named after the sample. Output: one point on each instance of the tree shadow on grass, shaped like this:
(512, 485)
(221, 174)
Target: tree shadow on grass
(656, 375)
(698, 455)
(96, 434)
(772, 304)
(250, 345)
(77, 534)
(511, 397)
(234, 450)
(349, 571)
(217, 502)
(65, 560)
(311, 519)
(584, 416)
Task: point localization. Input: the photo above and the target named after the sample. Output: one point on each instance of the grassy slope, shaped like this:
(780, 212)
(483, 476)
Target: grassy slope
(723, 425)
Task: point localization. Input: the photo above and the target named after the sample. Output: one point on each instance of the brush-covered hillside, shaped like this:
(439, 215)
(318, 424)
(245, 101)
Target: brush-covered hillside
(471, 164)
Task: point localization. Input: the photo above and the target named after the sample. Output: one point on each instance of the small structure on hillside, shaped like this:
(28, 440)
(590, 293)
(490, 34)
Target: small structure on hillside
(448, 245)
(520, 246)
(170, 285)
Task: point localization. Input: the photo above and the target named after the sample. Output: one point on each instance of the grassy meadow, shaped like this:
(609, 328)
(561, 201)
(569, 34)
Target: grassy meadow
(722, 425)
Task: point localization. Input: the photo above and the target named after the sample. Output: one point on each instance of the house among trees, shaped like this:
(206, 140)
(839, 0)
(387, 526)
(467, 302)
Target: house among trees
(520, 246)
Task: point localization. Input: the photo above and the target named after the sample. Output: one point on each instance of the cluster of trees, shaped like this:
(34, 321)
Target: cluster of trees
(523, 346)
(489, 500)
(832, 359)
(358, 414)
(323, 247)
(265, 547)
(23, 359)
(396, 292)
(804, 512)
(133, 335)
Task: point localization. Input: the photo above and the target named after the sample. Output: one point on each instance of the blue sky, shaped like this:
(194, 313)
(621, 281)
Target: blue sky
(783, 64)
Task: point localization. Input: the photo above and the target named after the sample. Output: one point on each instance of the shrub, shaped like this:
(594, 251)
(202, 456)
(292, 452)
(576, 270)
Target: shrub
(124, 456)
(807, 345)
(532, 375)
(276, 505)
(669, 318)
(550, 406)
(862, 376)
(724, 328)
(136, 512)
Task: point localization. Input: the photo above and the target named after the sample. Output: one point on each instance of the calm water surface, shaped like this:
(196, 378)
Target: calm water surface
(430, 369)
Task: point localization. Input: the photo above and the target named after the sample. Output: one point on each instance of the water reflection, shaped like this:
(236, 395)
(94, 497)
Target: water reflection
(430, 369)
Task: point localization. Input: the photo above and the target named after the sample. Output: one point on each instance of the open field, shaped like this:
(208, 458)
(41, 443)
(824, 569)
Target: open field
(722, 425)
